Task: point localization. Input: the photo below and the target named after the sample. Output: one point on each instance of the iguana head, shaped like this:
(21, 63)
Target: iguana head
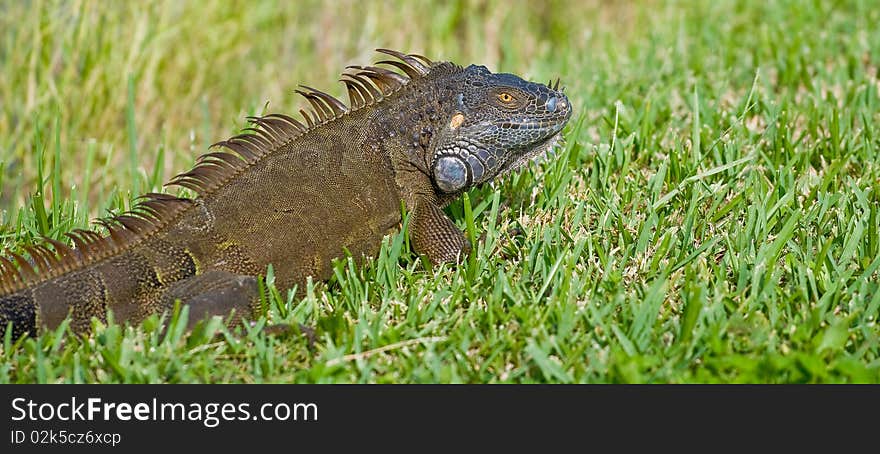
(498, 122)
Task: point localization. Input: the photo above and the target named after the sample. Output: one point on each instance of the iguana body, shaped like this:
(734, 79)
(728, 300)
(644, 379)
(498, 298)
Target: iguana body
(296, 195)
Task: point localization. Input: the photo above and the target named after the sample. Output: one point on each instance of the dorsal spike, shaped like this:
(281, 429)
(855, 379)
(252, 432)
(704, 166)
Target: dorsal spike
(63, 256)
(412, 73)
(212, 161)
(200, 174)
(189, 184)
(10, 274)
(38, 256)
(132, 223)
(229, 158)
(47, 254)
(148, 211)
(112, 229)
(78, 244)
(60, 248)
(367, 85)
(92, 238)
(389, 74)
(368, 95)
(26, 271)
(158, 196)
(279, 128)
(259, 132)
(309, 120)
(384, 85)
(292, 121)
(242, 149)
(120, 233)
(354, 96)
(321, 112)
(423, 58)
(257, 142)
(338, 106)
(411, 60)
(267, 127)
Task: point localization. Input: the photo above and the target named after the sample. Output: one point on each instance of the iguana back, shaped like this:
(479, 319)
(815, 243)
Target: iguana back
(295, 195)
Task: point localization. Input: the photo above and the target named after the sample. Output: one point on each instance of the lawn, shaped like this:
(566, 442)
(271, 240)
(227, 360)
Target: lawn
(712, 217)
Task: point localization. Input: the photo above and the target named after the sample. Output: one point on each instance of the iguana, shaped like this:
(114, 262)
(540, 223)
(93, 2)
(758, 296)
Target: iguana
(296, 194)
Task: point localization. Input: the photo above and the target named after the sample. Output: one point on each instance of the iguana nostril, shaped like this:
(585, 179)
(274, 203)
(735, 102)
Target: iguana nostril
(551, 104)
(562, 103)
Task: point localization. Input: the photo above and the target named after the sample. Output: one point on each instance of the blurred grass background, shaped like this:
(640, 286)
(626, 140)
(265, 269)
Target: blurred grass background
(714, 216)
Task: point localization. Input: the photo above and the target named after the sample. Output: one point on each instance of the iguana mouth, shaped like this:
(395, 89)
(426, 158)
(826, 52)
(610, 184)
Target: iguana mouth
(538, 152)
(542, 124)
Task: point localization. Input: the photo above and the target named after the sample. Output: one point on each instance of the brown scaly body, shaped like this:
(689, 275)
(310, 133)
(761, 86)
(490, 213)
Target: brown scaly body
(295, 195)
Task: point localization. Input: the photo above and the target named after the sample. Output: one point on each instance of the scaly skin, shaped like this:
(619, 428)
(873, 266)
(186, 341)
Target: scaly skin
(297, 196)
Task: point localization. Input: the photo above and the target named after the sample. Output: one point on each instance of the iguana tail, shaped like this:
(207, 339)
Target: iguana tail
(129, 287)
(20, 310)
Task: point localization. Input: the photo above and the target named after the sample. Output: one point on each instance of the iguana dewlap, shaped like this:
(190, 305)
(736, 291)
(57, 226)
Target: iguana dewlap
(296, 194)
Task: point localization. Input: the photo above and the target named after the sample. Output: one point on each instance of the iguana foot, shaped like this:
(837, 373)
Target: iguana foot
(215, 293)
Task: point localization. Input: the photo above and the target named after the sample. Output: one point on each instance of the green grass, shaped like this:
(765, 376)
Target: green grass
(713, 216)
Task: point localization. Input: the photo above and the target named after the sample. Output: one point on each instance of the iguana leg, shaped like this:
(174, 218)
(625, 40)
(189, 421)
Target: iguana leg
(215, 293)
(433, 234)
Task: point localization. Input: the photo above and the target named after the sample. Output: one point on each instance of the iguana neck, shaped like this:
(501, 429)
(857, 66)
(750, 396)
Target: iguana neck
(402, 129)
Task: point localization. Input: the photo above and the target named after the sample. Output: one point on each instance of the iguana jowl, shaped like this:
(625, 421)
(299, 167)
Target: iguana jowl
(296, 195)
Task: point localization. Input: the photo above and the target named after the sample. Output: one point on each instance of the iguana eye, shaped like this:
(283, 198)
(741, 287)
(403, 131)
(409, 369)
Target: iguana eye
(505, 97)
